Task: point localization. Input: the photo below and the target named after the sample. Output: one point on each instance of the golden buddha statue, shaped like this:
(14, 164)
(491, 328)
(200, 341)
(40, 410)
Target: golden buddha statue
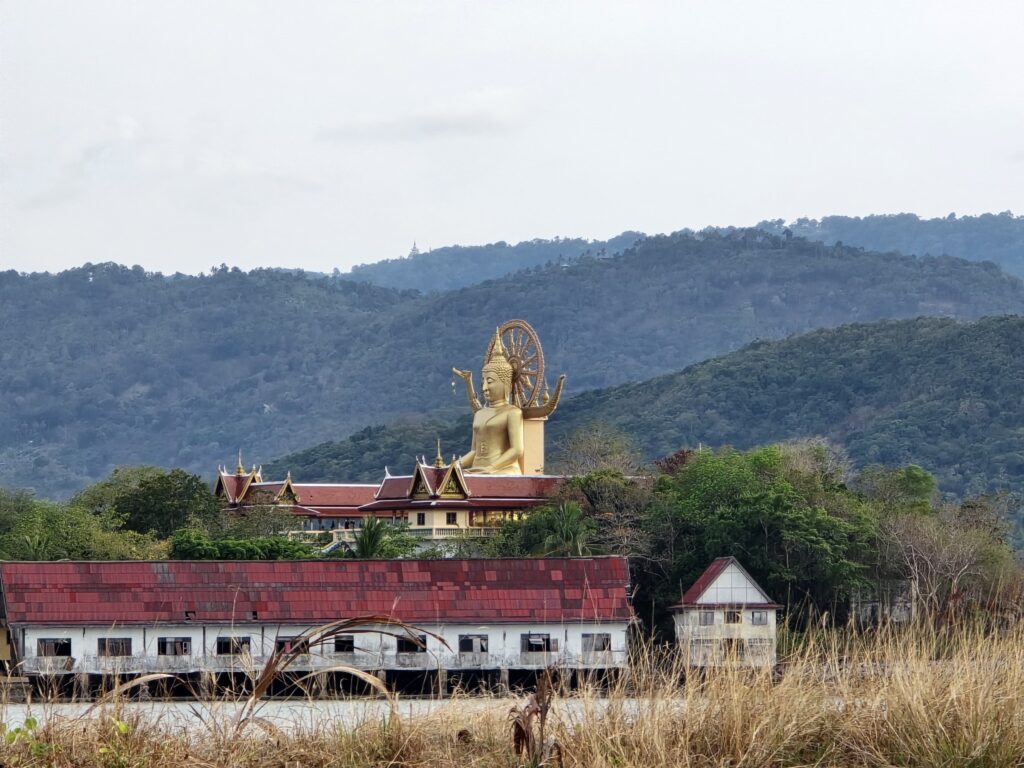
(498, 426)
(508, 431)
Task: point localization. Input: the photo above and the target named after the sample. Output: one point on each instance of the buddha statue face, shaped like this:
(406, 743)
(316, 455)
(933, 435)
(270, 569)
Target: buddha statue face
(494, 387)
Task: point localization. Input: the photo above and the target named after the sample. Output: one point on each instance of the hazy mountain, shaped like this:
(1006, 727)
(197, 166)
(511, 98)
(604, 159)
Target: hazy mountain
(998, 238)
(106, 365)
(458, 266)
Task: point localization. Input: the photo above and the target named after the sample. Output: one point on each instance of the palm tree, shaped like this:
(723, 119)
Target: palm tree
(568, 532)
(371, 540)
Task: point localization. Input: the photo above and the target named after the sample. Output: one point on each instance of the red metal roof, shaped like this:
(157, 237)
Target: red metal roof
(232, 484)
(347, 513)
(512, 486)
(333, 495)
(315, 591)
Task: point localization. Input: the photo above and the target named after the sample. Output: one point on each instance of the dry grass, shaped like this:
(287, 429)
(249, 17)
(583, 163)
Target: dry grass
(921, 698)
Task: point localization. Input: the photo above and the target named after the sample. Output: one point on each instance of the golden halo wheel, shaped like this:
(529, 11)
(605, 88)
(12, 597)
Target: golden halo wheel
(527, 358)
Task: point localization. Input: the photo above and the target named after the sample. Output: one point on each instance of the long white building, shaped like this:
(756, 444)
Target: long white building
(74, 623)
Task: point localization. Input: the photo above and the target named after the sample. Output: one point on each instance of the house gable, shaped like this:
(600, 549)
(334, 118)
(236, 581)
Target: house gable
(725, 582)
(733, 586)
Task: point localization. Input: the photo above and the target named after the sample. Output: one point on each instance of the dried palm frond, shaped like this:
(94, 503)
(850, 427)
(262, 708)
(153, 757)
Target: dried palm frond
(281, 659)
(528, 724)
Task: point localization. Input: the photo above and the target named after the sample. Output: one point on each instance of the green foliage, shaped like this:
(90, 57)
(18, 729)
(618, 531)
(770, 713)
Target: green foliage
(151, 500)
(254, 522)
(378, 540)
(32, 529)
(190, 544)
(562, 530)
(748, 505)
(107, 365)
(997, 238)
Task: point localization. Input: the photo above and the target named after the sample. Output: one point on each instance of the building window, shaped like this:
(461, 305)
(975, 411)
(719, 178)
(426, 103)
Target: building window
(451, 518)
(472, 643)
(174, 646)
(734, 648)
(408, 645)
(733, 617)
(55, 647)
(706, 618)
(114, 646)
(759, 649)
(233, 646)
(291, 645)
(704, 651)
(597, 642)
(759, 618)
(421, 518)
(536, 643)
(345, 644)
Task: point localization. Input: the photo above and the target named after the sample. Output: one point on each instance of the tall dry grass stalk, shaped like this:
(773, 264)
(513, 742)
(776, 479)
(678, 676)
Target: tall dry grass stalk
(916, 698)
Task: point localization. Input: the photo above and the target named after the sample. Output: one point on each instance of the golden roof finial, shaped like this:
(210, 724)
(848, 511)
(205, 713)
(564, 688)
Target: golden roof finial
(498, 347)
(240, 469)
(439, 459)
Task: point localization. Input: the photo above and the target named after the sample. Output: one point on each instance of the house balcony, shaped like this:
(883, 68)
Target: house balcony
(312, 662)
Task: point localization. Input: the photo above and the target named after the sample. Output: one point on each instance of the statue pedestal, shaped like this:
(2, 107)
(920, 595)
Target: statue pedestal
(532, 462)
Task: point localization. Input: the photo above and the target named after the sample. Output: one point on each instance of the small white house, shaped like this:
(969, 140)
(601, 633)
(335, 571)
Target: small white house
(725, 617)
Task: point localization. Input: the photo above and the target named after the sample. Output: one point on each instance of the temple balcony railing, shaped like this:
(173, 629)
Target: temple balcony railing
(473, 532)
(325, 537)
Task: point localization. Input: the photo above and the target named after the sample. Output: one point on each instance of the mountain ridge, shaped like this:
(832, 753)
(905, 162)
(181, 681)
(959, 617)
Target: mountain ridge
(107, 365)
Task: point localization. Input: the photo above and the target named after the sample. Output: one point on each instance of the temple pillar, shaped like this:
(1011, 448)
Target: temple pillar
(533, 446)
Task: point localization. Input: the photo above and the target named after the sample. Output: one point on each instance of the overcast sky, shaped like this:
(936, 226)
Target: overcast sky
(180, 135)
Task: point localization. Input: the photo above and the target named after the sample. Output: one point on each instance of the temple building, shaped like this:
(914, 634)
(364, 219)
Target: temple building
(436, 502)
(501, 477)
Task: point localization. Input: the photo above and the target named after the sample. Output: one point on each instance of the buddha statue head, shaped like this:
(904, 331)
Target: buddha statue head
(496, 374)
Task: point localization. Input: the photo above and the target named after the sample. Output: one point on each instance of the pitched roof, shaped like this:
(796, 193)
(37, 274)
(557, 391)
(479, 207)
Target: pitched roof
(316, 495)
(692, 596)
(399, 487)
(315, 591)
(230, 485)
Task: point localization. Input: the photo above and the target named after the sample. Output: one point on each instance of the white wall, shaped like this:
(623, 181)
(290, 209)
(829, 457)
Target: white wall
(705, 644)
(503, 639)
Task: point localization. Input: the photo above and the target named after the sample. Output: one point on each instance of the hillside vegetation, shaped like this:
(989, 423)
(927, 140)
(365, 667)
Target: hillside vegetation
(998, 238)
(459, 266)
(934, 392)
(106, 365)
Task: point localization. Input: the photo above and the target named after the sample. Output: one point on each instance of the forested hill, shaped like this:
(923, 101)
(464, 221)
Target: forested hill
(993, 237)
(106, 365)
(998, 238)
(459, 266)
(935, 392)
